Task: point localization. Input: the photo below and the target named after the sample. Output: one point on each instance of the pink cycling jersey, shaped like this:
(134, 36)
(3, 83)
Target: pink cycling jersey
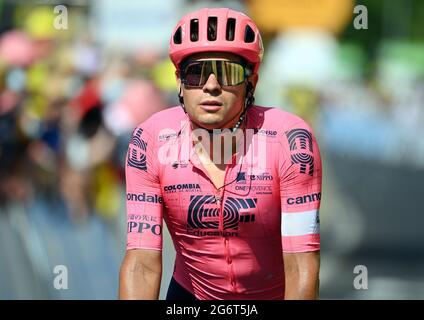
(229, 241)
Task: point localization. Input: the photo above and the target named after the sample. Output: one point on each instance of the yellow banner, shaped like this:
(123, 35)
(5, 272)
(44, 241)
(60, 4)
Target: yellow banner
(278, 15)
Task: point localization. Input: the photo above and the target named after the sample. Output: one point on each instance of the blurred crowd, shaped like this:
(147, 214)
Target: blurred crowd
(69, 100)
(66, 112)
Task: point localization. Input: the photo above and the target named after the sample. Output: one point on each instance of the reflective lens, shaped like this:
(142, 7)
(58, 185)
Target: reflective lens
(196, 73)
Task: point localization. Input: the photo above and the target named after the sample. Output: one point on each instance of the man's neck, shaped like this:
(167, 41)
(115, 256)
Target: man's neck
(218, 147)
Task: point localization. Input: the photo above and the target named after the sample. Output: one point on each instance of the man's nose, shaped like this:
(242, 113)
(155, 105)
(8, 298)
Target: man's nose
(212, 84)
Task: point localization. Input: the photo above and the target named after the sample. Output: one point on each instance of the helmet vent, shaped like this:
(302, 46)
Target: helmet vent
(212, 28)
(249, 35)
(194, 30)
(231, 27)
(177, 36)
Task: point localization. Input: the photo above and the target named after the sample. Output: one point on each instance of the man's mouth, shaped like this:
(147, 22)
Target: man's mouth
(211, 105)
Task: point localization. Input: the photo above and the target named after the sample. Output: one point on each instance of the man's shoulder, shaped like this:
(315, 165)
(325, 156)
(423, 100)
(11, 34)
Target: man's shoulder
(272, 118)
(169, 118)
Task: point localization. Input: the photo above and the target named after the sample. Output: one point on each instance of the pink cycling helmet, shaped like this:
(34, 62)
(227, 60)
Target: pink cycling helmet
(218, 30)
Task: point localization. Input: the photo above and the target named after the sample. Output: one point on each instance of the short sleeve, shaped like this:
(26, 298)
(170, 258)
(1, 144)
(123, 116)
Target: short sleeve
(143, 193)
(300, 189)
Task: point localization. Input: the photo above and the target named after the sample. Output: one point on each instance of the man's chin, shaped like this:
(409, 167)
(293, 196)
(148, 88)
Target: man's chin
(208, 126)
(209, 123)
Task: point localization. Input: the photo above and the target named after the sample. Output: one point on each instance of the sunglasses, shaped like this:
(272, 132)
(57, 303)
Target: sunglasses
(196, 73)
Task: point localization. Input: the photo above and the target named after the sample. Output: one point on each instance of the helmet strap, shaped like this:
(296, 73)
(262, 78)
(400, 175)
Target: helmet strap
(181, 100)
(249, 101)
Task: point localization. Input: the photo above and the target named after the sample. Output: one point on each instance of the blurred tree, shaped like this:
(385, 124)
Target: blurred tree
(6, 17)
(394, 19)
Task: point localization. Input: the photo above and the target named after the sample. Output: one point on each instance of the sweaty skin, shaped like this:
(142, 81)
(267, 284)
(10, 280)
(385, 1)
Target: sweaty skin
(229, 241)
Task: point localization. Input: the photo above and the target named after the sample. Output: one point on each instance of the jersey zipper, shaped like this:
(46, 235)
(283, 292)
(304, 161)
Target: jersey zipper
(219, 197)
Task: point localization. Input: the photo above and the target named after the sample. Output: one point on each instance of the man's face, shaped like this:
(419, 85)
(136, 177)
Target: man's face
(214, 106)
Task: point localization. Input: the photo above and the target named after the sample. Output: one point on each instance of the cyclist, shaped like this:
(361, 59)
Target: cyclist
(238, 185)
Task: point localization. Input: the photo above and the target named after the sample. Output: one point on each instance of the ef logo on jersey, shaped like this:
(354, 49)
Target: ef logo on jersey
(203, 213)
(137, 159)
(300, 142)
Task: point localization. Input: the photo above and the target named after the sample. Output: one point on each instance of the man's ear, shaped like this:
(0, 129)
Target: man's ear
(253, 79)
